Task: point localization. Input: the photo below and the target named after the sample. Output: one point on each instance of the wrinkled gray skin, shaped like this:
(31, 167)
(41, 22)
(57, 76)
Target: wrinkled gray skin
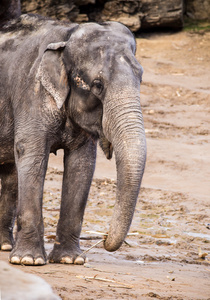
(66, 86)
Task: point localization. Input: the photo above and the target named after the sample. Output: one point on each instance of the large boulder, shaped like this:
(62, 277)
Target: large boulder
(18, 285)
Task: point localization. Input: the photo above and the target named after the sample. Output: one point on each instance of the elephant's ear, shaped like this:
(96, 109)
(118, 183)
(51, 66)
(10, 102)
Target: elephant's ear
(52, 73)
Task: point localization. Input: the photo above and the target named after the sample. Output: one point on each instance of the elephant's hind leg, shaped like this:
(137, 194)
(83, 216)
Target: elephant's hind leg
(8, 199)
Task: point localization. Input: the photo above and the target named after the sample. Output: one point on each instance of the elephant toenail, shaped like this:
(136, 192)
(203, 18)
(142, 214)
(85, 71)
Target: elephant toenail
(6, 247)
(39, 261)
(66, 260)
(15, 260)
(27, 260)
(79, 261)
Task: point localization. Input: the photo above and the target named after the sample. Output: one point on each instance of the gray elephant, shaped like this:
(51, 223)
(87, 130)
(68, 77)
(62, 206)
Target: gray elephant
(65, 86)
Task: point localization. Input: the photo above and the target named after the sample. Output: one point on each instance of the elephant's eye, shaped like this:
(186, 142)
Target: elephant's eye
(97, 87)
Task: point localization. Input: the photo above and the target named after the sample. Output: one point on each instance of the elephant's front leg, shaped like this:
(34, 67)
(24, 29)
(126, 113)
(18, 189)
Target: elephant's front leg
(78, 172)
(31, 162)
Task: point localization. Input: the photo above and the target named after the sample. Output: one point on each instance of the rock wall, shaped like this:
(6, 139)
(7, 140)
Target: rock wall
(135, 14)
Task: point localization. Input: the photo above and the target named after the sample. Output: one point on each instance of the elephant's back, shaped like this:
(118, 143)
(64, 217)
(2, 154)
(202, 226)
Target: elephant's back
(22, 44)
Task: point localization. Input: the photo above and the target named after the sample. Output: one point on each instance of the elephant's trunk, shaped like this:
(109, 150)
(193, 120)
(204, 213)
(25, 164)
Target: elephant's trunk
(123, 126)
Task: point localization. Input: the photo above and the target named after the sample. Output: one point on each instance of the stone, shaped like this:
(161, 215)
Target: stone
(18, 285)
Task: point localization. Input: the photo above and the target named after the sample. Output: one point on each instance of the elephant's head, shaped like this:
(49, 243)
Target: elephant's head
(98, 78)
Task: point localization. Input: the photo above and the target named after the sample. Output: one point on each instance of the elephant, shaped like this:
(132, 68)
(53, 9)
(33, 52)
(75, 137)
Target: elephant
(66, 86)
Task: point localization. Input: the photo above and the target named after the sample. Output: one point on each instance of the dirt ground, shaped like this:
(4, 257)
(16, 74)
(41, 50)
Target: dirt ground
(172, 217)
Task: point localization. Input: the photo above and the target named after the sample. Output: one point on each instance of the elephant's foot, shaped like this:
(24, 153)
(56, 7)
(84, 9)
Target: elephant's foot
(6, 241)
(67, 256)
(27, 260)
(29, 255)
(6, 247)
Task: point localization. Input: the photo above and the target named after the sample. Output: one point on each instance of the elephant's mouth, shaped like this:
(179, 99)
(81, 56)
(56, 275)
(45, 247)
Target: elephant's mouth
(106, 146)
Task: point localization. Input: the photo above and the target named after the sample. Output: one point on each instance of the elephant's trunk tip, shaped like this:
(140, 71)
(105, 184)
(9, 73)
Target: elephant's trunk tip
(113, 243)
(111, 247)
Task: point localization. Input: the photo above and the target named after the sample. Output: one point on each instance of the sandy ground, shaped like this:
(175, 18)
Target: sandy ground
(172, 216)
